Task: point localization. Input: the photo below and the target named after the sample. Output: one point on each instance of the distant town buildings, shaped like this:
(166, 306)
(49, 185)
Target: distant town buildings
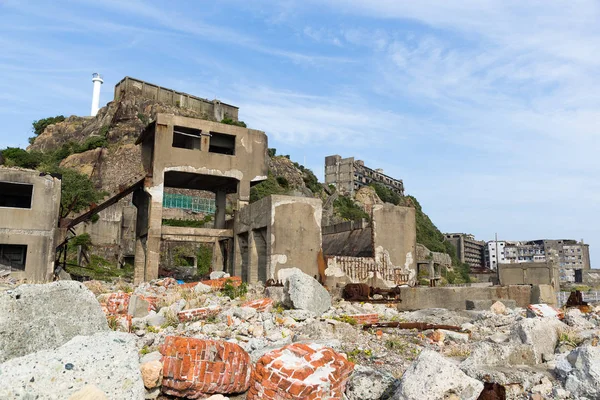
(468, 249)
(572, 257)
(349, 175)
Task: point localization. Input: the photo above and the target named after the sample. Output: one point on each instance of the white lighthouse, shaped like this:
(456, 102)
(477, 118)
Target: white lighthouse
(97, 79)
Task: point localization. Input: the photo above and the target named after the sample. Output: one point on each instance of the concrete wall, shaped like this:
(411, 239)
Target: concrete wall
(530, 273)
(215, 108)
(278, 232)
(455, 298)
(35, 227)
(394, 251)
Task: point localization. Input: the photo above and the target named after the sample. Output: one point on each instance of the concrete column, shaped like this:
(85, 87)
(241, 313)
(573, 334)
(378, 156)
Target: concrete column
(217, 256)
(154, 235)
(140, 260)
(220, 200)
(251, 275)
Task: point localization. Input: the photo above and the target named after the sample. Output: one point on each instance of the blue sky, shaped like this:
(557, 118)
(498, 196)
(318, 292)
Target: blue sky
(487, 109)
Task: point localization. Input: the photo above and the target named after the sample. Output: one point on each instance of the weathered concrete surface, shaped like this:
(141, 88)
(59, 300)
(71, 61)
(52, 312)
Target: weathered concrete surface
(539, 333)
(37, 317)
(481, 305)
(34, 227)
(269, 243)
(580, 371)
(432, 377)
(455, 298)
(305, 293)
(530, 273)
(108, 360)
(367, 383)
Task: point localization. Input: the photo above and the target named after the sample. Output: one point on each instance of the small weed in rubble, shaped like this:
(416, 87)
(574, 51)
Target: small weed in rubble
(278, 308)
(151, 329)
(356, 354)
(569, 336)
(346, 319)
(124, 286)
(234, 292)
(171, 320)
(113, 322)
(457, 350)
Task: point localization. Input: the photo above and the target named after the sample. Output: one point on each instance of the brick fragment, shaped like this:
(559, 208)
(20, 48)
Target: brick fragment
(196, 314)
(115, 306)
(363, 319)
(300, 372)
(195, 368)
(220, 283)
(260, 305)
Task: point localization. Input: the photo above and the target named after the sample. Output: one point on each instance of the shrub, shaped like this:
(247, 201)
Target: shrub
(229, 121)
(283, 182)
(386, 194)
(272, 152)
(234, 292)
(266, 188)
(16, 157)
(40, 125)
(347, 209)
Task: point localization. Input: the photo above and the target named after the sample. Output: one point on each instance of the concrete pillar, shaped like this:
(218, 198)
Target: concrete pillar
(217, 256)
(154, 235)
(140, 260)
(220, 200)
(251, 275)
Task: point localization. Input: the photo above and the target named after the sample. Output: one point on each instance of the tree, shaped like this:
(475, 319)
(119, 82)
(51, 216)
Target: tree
(77, 192)
(41, 124)
(386, 194)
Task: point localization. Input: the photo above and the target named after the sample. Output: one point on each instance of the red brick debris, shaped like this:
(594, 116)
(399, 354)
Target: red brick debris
(261, 305)
(363, 319)
(220, 283)
(194, 368)
(300, 372)
(116, 307)
(196, 314)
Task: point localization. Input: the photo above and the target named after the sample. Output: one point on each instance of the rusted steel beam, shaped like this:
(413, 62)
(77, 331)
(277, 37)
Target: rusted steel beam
(422, 326)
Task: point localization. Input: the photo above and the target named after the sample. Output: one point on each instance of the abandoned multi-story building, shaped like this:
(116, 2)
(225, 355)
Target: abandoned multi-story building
(29, 210)
(573, 257)
(468, 249)
(349, 175)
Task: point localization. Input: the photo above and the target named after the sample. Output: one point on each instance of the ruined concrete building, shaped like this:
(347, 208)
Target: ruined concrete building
(196, 154)
(29, 209)
(349, 175)
(381, 252)
(468, 249)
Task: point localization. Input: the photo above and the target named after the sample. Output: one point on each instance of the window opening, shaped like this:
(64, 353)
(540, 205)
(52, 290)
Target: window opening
(186, 138)
(17, 195)
(222, 143)
(13, 256)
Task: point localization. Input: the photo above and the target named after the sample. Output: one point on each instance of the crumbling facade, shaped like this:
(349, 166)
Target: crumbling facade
(29, 211)
(349, 175)
(277, 232)
(381, 252)
(195, 154)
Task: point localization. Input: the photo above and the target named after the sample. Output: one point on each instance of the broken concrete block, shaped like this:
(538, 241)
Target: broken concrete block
(194, 367)
(275, 293)
(485, 305)
(583, 376)
(202, 288)
(305, 293)
(89, 392)
(300, 371)
(107, 360)
(219, 275)
(498, 308)
(138, 307)
(367, 383)
(539, 333)
(37, 317)
(433, 377)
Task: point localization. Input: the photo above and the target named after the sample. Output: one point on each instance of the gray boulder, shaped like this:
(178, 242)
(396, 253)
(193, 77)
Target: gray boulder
(304, 292)
(368, 384)
(37, 317)
(575, 318)
(107, 360)
(540, 333)
(432, 377)
(581, 372)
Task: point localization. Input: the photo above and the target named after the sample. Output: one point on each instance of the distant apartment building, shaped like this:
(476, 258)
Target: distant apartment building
(572, 257)
(348, 175)
(468, 249)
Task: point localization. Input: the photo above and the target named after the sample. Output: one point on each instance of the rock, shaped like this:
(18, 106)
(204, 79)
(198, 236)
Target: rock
(582, 379)
(219, 275)
(89, 392)
(432, 377)
(437, 336)
(484, 305)
(498, 308)
(245, 313)
(107, 360)
(155, 355)
(195, 367)
(138, 307)
(499, 337)
(284, 273)
(539, 333)
(152, 394)
(155, 319)
(367, 383)
(46, 316)
(305, 293)
(217, 397)
(543, 388)
(275, 293)
(304, 371)
(456, 336)
(299, 315)
(575, 318)
(202, 288)
(152, 373)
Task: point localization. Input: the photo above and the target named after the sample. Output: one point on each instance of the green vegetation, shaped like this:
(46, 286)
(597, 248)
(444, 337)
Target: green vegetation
(283, 182)
(266, 188)
(386, 194)
(204, 259)
(99, 269)
(233, 292)
(346, 208)
(346, 319)
(271, 152)
(309, 178)
(77, 191)
(40, 125)
(229, 121)
(353, 355)
(187, 223)
(143, 118)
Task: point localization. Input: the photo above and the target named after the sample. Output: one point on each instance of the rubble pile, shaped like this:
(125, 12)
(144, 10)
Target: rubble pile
(222, 339)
